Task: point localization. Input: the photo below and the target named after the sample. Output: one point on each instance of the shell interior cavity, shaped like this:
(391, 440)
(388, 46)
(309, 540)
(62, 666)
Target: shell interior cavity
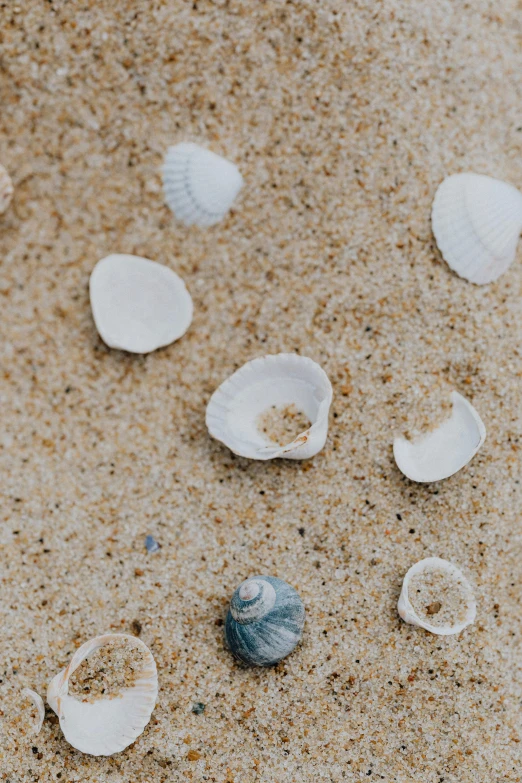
(436, 596)
(199, 185)
(278, 382)
(39, 706)
(444, 451)
(477, 221)
(265, 621)
(6, 190)
(138, 305)
(105, 725)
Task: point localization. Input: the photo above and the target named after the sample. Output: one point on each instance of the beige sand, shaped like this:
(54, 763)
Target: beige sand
(343, 118)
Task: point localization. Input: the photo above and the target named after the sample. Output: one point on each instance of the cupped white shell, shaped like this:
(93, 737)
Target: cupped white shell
(107, 725)
(200, 186)
(6, 190)
(477, 221)
(39, 705)
(444, 451)
(437, 565)
(138, 305)
(277, 380)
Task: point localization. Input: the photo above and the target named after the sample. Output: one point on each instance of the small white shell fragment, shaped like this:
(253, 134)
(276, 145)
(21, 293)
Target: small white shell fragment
(6, 190)
(477, 221)
(200, 186)
(275, 381)
(444, 451)
(106, 725)
(138, 305)
(434, 566)
(39, 705)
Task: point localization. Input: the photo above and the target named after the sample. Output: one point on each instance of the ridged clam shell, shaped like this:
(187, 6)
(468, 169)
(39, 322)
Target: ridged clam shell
(138, 305)
(200, 186)
(265, 621)
(444, 451)
(105, 726)
(279, 379)
(6, 190)
(40, 707)
(477, 221)
(407, 612)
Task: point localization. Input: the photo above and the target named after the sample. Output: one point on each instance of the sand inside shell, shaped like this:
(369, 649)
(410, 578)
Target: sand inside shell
(103, 674)
(281, 425)
(439, 598)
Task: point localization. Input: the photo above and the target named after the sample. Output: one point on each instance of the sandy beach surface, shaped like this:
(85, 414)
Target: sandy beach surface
(343, 118)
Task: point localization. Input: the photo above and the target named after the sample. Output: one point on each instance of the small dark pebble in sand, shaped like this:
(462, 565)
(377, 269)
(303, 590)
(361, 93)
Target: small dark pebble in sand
(198, 708)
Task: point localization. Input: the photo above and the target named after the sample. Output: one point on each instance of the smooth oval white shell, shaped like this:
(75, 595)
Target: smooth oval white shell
(40, 707)
(105, 726)
(6, 190)
(138, 305)
(280, 379)
(200, 186)
(407, 612)
(477, 221)
(444, 451)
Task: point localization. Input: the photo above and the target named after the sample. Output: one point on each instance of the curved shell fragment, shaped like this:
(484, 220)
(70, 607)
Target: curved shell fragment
(200, 186)
(106, 725)
(477, 221)
(138, 305)
(445, 592)
(444, 451)
(39, 706)
(280, 382)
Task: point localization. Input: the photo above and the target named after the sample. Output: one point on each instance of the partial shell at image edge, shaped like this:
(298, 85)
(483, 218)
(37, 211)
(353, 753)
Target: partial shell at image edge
(281, 378)
(105, 726)
(442, 452)
(408, 613)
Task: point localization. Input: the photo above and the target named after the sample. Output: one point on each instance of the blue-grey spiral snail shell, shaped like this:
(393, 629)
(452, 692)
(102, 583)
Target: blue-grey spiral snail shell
(265, 621)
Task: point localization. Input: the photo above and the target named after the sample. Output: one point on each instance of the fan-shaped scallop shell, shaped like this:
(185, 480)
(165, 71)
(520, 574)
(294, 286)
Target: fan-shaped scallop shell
(107, 725)
(444, 451)
(200, 186)
(276, 380)
(436, 565)
(138, 305)
(265, 621)
(6, 190)
(477, 221)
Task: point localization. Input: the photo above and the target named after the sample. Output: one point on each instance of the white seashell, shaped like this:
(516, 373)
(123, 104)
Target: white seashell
(279, 381)
(107, 725)
(6, 190)
(444, 451)
(40, 707)
(477, 221)
(200, 186)
(138, 305)
(468, 608)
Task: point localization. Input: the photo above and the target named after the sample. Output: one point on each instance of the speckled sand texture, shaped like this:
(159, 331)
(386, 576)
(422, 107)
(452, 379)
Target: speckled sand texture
(343, 117)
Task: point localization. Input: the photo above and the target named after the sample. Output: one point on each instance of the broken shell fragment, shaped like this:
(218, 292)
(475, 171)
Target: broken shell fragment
(477, 221)
(6, 190)
(444, 451)
(265, 621)
(436, 596)
(105, 724)
(200, 186)
(138, 305)
(257, 411)
(39, 706)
